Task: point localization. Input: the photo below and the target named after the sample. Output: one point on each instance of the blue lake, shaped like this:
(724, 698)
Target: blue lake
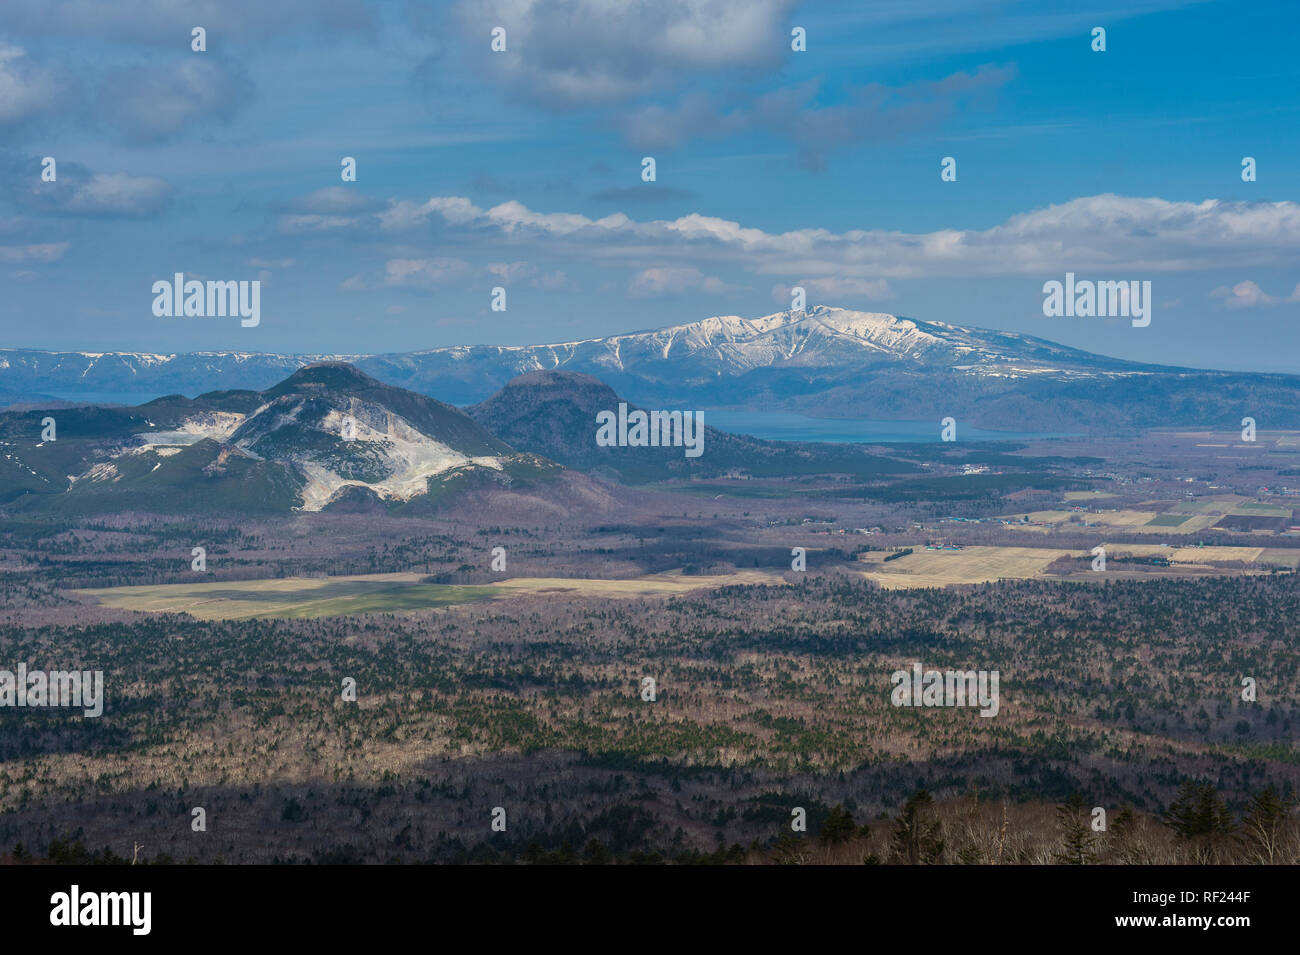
(782, 426)
(106, 397)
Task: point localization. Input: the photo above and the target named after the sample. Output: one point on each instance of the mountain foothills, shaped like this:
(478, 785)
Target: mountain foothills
(828, 362)
(328, 436)
(331, 437)
(553, 414)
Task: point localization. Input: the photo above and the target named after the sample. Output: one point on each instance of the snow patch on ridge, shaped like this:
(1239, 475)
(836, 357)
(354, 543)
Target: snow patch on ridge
(218, 425)
(408, 456)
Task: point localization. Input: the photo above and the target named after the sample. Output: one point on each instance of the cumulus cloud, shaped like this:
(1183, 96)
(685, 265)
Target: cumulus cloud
(573, 53)
(423, 273)
(1247, 294)
(237, 22)
(82, 193)
(672, 281)
(869, 113)
(150, 104)
(665, 67)
(1120, 235)
(325, 210)
(28, 89)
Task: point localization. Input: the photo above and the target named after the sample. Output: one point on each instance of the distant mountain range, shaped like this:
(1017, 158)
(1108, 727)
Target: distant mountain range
(825, 362)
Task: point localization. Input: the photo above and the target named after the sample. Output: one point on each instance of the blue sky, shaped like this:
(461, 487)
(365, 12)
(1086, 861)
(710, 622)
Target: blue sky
(522, 169)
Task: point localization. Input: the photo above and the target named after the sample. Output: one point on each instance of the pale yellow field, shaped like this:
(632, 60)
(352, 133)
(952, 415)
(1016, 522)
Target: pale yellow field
(976, 565)
(1051, 517)
(1087, 495)
(1122, 518)
(1103, 518)
(1188, 555)
(1202, 555)
(971, 565)
(383, 593)
(1204, 514)
(650, 585)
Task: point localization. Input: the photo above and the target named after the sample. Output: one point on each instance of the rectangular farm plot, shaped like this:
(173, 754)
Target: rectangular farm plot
(1209, 555)
(1168, 520)
(301, 597)
(970, 565)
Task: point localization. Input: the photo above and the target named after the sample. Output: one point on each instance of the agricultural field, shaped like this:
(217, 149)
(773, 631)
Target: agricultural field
(977, 564)
(1207, 556)
(970, 565)
(1082, 497)
(310, 597)
(1168, 520)
(1192, 523)
(1233, 514)
(291, 597)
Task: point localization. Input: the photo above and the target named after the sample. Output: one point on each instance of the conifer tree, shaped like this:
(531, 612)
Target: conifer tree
(914, 837)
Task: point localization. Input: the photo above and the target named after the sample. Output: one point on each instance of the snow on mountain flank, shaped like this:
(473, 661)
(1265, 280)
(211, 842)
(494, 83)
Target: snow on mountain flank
(407, 456)
(218, 425)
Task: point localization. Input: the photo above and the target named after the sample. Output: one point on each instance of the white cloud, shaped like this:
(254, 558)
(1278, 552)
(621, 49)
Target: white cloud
(79, 192)
(154, 103)
(1119, 235)
(672, 281)
(40, 254)
(511, 271)
(423, 273)
(242, 22)
(26, 88)
(868, 113)
(300, 224)
(571, 53)
(331, 200)
(1246, 294)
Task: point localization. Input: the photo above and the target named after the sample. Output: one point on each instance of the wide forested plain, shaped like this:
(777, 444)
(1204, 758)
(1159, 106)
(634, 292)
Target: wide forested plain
(517, 693)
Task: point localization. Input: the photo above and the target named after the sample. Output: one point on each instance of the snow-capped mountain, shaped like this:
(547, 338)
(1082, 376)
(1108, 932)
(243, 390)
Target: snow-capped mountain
(726, 345)
(823, 361)
(731, 346)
